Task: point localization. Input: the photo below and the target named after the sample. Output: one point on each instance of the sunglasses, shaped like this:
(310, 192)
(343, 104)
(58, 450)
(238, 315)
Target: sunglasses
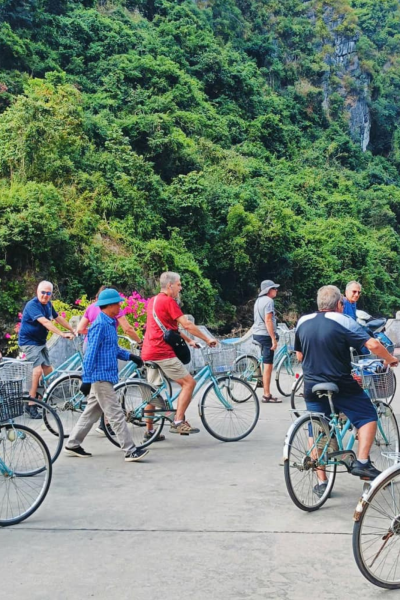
(357, 292)
(46, 293)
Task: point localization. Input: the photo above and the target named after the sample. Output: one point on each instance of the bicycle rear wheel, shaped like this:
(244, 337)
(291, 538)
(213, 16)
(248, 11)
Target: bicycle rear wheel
(303, 463)
(376, 535)
(25, 473)
(229, 411)
(64, 396)
(287, 371)
(386, 437)
(134, 397)
(297, 401)
(49, 427)
(247, 367)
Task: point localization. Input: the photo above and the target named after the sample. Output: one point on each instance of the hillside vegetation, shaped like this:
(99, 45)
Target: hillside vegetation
(144, 135)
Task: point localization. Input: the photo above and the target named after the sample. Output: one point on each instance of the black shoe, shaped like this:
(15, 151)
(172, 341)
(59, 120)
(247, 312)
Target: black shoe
(78, 451)
(32, 411)
(135, 455)
(320, 488)
(365, 471)
(149, 434)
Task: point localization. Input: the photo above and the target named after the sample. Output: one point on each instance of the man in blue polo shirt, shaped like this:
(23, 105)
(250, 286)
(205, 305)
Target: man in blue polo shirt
(323, 341)
(352, 294)
(36, 323)
(100, 374)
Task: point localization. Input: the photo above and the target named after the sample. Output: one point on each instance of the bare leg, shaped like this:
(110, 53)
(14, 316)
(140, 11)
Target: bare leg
(36, 375)
(366, 436)
(188, 384)
(267, 373)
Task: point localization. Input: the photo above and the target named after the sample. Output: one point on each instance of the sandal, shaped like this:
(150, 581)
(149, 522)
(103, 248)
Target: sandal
(270, 399)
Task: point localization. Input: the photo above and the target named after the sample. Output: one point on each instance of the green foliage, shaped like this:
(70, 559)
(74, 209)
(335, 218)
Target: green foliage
(143, 135)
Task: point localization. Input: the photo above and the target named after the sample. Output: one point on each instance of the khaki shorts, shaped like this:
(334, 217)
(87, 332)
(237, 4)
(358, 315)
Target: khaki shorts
(172, 367)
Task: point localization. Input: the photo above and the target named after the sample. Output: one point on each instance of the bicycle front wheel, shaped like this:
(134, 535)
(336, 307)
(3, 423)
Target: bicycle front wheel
(304, 466)
(65, 397)
(376, 535)
(386, 437)
(141, 405)
(297, 400)
(49, 427)
(229, 410)
(25, 473)
(247, 367)
(287, 372)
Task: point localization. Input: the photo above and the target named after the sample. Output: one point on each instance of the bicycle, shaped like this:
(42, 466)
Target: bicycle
(376, 528)
(228, 408)
(50, 426)
(286, 365)
(25, 465)
(315, 444)
(379, 385)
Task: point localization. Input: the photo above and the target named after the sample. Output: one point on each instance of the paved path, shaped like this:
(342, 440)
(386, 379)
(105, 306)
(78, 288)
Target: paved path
(200, 520)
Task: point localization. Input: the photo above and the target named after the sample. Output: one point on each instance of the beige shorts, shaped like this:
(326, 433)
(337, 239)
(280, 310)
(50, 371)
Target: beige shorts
(172, 367)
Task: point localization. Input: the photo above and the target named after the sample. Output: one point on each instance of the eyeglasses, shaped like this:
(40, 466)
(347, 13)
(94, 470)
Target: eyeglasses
(46, 293)
(356, 292)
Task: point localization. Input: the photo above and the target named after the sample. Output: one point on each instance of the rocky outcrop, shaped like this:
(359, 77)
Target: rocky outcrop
(353, 86)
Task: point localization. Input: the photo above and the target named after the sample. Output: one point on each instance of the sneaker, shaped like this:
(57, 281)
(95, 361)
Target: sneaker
(78, 451)
(365, 471)
(101, 430)
(183, 428)
(136, 455)
(320, 489)
(32, 411)
(149, 434)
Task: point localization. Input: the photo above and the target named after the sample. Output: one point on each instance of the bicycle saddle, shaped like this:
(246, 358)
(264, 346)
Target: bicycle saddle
(376, 324)
(325, 387)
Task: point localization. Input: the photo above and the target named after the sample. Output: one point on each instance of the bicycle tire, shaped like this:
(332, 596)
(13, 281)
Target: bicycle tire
(297, 401)
(390, 400)
(298, 461)
(131, 394)
(210, 405)
(387, 437)
(247, 367)
(373, 542)
(35, 481)
(49, 428)
(286, 372)
(64, 396)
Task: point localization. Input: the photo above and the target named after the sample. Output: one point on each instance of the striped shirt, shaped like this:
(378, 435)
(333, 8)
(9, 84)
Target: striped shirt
(101, 358)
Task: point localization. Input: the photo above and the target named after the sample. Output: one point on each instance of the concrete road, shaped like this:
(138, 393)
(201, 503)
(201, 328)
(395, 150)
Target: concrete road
(199, 520)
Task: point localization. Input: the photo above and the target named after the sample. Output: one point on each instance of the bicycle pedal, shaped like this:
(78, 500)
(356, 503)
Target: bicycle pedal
(346, 457)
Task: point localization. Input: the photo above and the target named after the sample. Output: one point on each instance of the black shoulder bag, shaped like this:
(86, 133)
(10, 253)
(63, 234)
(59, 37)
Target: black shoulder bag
(174, 339)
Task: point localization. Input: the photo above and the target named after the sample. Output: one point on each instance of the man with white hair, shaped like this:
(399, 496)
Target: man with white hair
(352, 294)
(36, 322)
(164, 308)
(323, 342)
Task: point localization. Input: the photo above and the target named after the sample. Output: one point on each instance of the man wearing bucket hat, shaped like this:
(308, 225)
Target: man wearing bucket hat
(264, 332)
(100, 373)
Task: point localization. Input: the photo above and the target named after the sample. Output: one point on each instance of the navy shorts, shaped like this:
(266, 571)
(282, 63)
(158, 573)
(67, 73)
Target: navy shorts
(266, 352)
(353, 402)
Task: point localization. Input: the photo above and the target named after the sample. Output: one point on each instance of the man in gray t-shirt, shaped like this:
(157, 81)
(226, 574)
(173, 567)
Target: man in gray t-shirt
(264, 332)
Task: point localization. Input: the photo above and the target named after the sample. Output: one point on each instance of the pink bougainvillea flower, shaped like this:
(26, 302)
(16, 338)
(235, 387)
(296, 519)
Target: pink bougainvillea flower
(63, 314)
(7, 336)
(136, 324)
(78, 301)
(19, 316)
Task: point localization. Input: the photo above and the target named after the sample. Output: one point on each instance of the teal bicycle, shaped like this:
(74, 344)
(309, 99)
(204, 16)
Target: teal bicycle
(228, 408)
(249, 368)
(316, 446)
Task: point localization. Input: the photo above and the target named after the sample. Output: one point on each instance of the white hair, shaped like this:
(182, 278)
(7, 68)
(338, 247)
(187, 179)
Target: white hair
(46, 283)
(328, 297)
(168, 277)
(353, 283)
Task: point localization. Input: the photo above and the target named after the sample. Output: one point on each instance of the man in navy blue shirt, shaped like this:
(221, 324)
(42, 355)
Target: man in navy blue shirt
(100, 374)
(323, 341)
(36, 323)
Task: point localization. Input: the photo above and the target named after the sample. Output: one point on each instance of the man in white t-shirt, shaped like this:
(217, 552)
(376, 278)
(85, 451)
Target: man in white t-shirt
(264, 332)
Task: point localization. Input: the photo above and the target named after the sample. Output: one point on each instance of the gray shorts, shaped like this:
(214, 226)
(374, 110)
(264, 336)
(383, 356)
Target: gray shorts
(38, 355)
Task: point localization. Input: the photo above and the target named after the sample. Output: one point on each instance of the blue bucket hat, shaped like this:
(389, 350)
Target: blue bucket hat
(108, 296)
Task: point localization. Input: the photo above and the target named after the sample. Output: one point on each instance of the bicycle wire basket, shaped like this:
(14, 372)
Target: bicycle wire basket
(11, 400)
(17, 369)
(286, 336)
(220, 359)
(374, 378)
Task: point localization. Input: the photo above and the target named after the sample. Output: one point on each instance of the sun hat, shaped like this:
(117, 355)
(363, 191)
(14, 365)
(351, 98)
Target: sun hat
(266, 286)
(108, 296)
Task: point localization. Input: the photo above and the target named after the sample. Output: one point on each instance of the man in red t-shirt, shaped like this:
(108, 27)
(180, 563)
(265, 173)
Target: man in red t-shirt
(158, 351)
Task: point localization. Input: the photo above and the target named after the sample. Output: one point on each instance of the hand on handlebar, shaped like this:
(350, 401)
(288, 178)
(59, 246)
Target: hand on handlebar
(68, 335)
(392, 363)
(211, 343)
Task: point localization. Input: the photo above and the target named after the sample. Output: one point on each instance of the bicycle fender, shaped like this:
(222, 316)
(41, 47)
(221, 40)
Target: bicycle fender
(53, 383)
